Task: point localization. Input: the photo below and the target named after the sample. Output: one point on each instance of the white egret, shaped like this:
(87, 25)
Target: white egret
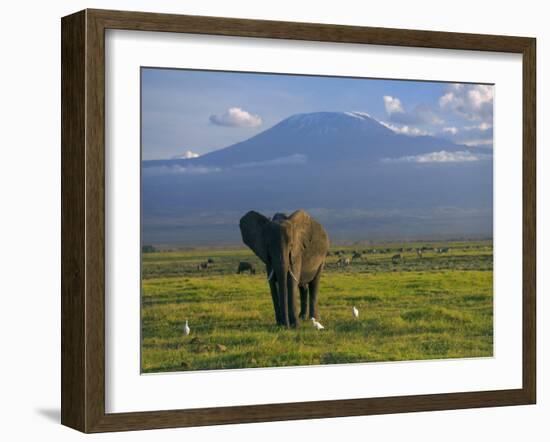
(355, 312)
(316, 324)
(186, 329)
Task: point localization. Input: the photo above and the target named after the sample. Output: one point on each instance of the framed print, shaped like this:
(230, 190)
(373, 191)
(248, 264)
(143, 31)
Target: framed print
(268, 221)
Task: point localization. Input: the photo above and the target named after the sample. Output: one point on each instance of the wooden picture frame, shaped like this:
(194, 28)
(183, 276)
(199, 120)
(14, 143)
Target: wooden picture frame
(83, 220)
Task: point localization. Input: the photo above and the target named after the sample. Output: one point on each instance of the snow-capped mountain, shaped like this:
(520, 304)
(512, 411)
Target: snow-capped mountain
(323, 137)
(358, 177)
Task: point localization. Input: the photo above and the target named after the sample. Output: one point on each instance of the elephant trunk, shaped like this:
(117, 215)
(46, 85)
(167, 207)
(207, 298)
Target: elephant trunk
(282, 276)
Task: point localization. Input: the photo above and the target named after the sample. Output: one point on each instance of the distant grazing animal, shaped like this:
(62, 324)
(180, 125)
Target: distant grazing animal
(343, 262)
(204, 265)
(357, 255)
(186, 329)
(442, 250)
(396, 257)
(355, 312)
(316, 324)
(210, 261)
(419, 252)
(246, 267)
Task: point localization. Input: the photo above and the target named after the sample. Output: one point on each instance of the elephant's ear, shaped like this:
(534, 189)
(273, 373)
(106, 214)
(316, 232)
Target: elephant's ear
(252, 226)
(310, 237)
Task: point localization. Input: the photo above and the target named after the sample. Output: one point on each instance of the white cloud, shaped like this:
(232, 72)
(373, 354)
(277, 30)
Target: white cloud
(478, 142)
(480, 94)
(236, 117)
(442, 156)
(291, 160)
(422, 114)
(186, 155)
(474, 101)
(450, 130)
(478, 135)
(295, 159)
(431, 118)
(393, 105)
(446, 99)
(482, 127)
(405, 130)
(179, 170)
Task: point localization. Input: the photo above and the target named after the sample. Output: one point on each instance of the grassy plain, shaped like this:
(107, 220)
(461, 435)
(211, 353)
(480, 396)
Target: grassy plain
(436, 306)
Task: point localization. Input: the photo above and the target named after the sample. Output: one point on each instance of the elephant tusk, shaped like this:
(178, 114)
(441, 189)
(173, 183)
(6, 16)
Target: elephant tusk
(292, 274)
(289, 270)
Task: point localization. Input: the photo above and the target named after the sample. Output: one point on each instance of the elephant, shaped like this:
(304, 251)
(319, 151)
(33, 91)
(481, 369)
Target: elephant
(246, 267)
(293, 249)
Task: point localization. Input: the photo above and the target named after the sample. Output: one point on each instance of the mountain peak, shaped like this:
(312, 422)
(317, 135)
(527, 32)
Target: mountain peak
(323, 137)
(328, 117)
(323, 124)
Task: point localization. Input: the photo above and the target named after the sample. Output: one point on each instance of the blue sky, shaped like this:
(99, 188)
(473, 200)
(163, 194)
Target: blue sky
(187, 113)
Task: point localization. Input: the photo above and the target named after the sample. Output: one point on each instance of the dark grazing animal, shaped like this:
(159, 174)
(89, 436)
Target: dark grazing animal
(245, 266)
(204, 265)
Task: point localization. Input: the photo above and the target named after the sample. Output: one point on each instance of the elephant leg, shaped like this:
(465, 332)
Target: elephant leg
(283, 296)
(276, 307)
(313, 293)
(292, 301)
(303, 302)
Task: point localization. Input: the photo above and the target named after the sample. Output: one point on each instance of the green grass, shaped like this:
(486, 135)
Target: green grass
(437, 306)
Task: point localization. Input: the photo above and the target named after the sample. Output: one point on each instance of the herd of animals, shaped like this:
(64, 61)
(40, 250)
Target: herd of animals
(343, 260)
